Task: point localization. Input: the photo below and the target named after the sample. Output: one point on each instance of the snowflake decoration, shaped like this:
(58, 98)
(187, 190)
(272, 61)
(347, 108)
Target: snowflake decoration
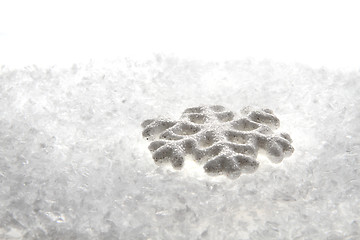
(214, 137)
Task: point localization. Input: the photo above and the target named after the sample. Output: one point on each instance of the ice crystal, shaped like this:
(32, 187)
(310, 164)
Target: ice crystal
(215, 137)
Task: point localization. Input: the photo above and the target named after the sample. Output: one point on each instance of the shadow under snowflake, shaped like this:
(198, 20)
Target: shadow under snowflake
(213, 136)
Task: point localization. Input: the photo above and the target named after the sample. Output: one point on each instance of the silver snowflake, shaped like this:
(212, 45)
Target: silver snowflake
(214, 137)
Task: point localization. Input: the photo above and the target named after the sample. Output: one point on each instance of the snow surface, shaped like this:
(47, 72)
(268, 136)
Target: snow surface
(73, 164)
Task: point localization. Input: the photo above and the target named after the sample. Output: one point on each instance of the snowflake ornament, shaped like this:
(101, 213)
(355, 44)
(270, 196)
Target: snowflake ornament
(215, 137)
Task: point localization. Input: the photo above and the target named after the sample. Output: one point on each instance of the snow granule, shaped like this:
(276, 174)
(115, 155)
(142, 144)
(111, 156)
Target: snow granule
(73, 163)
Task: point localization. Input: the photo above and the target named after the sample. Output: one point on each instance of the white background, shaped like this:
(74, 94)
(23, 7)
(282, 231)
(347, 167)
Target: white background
(314, 33)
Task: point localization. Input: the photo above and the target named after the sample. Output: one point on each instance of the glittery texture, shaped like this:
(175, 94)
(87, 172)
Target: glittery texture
(215, 137)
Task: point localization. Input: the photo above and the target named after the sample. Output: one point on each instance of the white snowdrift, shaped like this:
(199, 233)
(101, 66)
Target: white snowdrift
(73, 164)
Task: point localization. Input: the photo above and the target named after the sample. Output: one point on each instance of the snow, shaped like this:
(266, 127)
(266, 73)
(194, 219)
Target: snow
(73, 164)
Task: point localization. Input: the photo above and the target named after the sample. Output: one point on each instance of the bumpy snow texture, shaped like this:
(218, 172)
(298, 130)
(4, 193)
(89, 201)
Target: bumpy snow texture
(213, 135)
(74, 165)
